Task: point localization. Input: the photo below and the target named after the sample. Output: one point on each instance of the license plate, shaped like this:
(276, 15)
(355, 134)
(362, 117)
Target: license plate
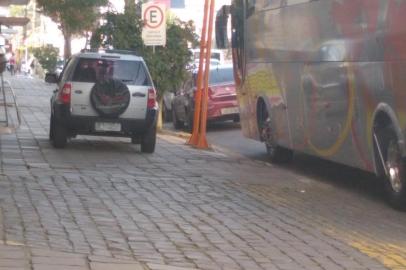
(105, 126)
(226, 111)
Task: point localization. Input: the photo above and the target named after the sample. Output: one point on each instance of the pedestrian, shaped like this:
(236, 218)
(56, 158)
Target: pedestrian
(12, 62)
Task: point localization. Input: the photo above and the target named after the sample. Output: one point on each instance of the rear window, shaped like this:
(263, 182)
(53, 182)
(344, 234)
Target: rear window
(129, 72)
(216, 56)
(221, 75)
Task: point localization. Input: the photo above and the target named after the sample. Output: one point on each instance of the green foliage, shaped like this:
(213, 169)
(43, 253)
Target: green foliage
(73, 16)
(168, 65)
(122, 31)
(17, 11)
(47, 56)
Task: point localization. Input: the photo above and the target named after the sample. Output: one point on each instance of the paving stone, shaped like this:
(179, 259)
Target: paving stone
(115, 266)
(102, 201)
(167, 267)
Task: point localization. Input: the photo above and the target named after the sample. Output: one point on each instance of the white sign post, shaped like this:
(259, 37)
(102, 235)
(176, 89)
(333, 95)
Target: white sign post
(154, 31)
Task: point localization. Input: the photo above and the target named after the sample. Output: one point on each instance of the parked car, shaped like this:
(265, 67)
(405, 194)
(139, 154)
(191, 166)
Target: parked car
(167, 106)
(222, 98)
(104, 93)
(59, 67)
(216, 55)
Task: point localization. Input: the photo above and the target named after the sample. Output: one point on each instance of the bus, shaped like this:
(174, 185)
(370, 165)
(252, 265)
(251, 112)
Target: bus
(323, 77)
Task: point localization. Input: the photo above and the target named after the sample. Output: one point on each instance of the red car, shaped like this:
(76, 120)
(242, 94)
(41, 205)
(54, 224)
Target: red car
(222, 103)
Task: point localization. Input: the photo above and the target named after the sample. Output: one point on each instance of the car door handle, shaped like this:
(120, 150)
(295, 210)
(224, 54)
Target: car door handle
(78, 92)
(139, 94)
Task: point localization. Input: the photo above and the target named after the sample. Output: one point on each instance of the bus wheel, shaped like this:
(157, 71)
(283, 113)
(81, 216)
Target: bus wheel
(395, 173)
(276, 153)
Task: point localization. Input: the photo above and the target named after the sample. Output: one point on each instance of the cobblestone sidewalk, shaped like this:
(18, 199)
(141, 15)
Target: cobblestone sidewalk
(102, 204)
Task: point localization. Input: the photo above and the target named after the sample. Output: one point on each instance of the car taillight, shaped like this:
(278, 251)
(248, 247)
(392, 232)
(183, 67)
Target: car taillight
(65, 94)
(151, 98)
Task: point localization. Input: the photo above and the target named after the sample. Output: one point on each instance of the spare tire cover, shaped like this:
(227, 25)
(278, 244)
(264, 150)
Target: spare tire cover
(110, 97)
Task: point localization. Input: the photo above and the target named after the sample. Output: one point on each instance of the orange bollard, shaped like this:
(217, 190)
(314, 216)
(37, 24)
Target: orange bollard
(198, 96)
(202, 141)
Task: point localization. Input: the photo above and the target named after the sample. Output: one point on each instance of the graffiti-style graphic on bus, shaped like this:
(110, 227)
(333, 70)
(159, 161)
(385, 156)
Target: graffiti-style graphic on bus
(327, 78)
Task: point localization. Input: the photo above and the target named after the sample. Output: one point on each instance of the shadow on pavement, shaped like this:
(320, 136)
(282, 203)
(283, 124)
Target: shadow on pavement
(340, 176)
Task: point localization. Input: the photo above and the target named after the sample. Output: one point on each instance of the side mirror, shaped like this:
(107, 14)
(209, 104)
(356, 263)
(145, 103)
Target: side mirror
(221, 27)
(51, 78)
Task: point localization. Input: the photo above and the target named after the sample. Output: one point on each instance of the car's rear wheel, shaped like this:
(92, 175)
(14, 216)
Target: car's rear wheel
(51, 128)
(395, 170)
(148, 141)
(59, 135)
(177, 124)
(276, 153)
(135, 139)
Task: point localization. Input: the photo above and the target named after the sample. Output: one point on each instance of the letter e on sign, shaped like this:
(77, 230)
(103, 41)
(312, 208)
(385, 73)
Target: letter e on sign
(154, 30)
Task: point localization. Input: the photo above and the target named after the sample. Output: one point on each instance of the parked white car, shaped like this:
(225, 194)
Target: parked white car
(104, 93)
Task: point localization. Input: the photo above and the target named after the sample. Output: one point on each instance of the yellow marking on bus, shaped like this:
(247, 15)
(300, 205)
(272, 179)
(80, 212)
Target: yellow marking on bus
(263, 81)
(327, 152)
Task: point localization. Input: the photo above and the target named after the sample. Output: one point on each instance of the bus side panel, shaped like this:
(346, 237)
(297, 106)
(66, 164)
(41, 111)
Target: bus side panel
(333, 64)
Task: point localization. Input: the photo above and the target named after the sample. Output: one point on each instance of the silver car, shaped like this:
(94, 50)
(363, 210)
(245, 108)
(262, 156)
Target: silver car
(104, 93)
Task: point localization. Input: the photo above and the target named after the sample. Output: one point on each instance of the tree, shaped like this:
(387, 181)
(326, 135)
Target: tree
(73, 16)
(168, 65)
(47, 56)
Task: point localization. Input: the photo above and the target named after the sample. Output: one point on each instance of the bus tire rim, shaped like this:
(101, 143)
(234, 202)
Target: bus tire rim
(267, 136)
(394, 170)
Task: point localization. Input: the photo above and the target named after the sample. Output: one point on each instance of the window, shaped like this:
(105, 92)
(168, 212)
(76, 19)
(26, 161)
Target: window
(129, 72)
(67, 70)
(221, 75)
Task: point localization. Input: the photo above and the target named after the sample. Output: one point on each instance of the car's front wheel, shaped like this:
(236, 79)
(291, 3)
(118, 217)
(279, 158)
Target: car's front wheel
(148, 141)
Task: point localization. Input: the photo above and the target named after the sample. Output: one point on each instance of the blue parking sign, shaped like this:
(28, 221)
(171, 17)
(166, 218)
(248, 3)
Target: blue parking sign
(178, 4)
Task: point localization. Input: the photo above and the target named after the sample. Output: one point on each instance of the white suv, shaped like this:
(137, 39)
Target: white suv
(104, 93)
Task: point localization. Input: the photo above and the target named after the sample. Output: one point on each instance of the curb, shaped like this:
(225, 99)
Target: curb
(179, 134)
(212, 147)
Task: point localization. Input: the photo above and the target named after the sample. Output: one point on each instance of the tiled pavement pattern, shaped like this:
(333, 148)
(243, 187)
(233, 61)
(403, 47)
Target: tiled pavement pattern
(101, 204)
(10, 123)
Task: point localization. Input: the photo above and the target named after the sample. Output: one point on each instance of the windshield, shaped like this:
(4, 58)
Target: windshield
(214, 55)
(221, 75)
(129, 72)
